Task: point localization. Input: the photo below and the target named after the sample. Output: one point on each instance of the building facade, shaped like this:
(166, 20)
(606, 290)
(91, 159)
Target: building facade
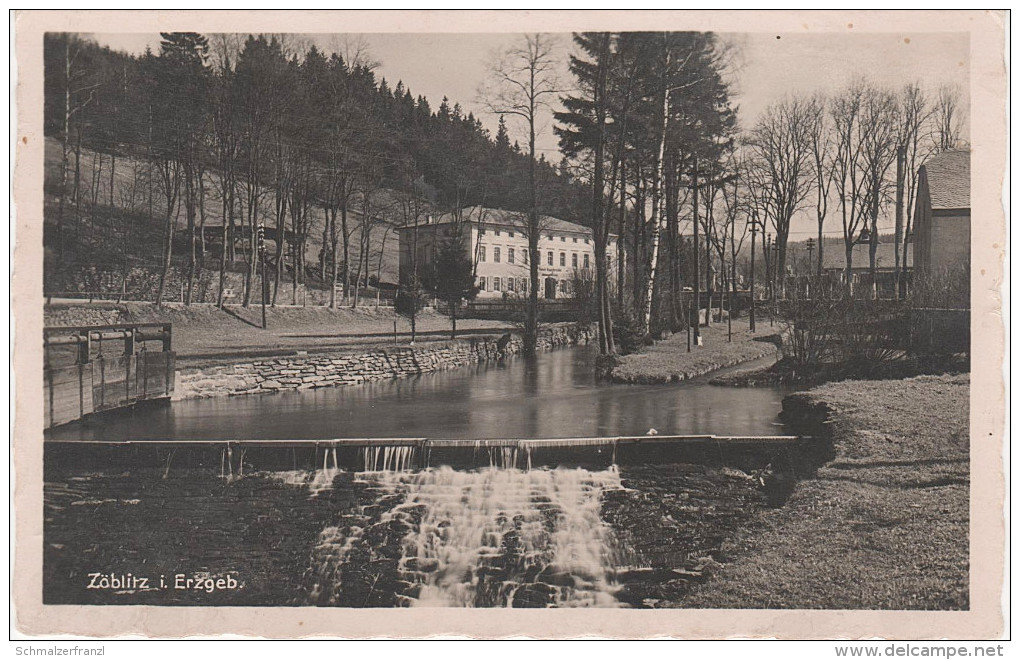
(498, 248)
(942, 213)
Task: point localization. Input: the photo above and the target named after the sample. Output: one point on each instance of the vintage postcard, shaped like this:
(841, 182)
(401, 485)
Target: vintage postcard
(553, 324)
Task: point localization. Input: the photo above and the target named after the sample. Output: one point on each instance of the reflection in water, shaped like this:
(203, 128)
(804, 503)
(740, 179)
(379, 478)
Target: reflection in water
(552, 395)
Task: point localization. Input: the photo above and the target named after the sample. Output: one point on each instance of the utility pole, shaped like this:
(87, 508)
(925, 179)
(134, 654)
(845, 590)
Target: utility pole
(810, 249)
(778, 277)
(754, 230)
(261, 238)
(697, 267)
(732, 278)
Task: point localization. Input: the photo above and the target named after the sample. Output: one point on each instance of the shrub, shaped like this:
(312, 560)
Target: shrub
(628, 334)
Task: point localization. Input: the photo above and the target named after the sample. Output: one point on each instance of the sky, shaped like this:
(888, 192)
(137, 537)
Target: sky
(765, 67)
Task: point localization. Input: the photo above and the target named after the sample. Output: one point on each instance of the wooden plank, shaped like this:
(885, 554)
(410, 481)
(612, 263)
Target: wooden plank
(116, 388)
(62, 375)
(72, 398)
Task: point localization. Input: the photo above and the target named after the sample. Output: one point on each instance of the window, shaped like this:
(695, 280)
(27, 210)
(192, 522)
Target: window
(586, 263)
(497, 232)
(495, 255)
(575, 239)
(511, 234)
(586, 241)
(481, 283)
(563, 259)
(550, 258)
(496, 283)
(481, 255)
(510, 284)
(509, 255)
(563, 239)
(573, 260)
(524, 257)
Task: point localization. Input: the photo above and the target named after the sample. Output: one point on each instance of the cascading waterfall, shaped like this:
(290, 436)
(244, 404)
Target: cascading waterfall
(318, 480)
(504, 537)
(388, 458)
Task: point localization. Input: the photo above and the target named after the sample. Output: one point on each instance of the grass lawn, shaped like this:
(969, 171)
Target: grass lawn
(882, 526)
(669, 361)
(203, 334)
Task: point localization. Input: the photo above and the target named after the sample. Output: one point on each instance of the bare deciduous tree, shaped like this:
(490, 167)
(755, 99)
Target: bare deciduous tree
(949, 118)
(522, 82)
(820, 133)
(781, 145)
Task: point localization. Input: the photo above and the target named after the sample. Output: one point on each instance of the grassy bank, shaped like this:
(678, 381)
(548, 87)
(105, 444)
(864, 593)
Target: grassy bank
(884, 525)
(669, 361)
(204, 334)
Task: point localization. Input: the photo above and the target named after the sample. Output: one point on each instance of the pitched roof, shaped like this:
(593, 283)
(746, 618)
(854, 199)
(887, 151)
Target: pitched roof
(834, 257)
(949, 179)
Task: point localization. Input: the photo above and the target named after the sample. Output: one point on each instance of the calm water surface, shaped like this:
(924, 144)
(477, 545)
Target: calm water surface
(552, 395)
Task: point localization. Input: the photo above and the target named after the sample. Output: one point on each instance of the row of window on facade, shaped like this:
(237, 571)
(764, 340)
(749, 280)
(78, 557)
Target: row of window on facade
(515, 284)
(497, 257)
(563, 239)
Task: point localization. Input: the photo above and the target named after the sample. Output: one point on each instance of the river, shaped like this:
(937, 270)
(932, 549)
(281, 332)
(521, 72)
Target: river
(552, 395)
(497, 536)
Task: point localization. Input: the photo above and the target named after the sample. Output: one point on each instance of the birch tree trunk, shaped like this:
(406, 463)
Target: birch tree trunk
(657, 203)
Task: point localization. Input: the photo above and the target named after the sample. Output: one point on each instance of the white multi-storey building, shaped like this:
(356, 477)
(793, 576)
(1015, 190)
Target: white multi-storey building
(498, 247)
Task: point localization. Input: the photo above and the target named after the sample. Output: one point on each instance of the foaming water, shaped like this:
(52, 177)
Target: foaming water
(513, 525)
(485, 538)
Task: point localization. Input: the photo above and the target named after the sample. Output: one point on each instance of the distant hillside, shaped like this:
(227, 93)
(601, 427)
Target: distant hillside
(309, 125)
(129, 232)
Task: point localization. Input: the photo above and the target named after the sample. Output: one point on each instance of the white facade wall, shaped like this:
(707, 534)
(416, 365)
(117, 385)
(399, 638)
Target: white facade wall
(502, 261)
(501, 258)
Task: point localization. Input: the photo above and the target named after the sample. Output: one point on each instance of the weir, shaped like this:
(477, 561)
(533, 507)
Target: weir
(451, 522)
(236, 457)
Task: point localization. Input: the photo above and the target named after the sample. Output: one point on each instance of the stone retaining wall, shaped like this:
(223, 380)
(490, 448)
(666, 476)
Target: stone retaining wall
(301, 372)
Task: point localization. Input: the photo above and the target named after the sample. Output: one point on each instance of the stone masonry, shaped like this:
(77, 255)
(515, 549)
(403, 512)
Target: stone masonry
(302, 372)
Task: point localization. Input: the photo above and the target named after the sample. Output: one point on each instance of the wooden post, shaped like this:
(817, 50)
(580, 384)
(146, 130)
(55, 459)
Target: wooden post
(129, 341)
(102, 376)
(84, 348)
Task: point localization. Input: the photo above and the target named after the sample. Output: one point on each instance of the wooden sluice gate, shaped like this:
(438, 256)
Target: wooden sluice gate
(90, 369)
(383, 454)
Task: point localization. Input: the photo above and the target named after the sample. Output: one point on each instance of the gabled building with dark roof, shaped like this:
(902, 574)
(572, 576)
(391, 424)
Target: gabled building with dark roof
(942, 213)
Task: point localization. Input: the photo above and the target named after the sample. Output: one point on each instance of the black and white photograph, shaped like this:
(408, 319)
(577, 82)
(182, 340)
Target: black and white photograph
(616, 319)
